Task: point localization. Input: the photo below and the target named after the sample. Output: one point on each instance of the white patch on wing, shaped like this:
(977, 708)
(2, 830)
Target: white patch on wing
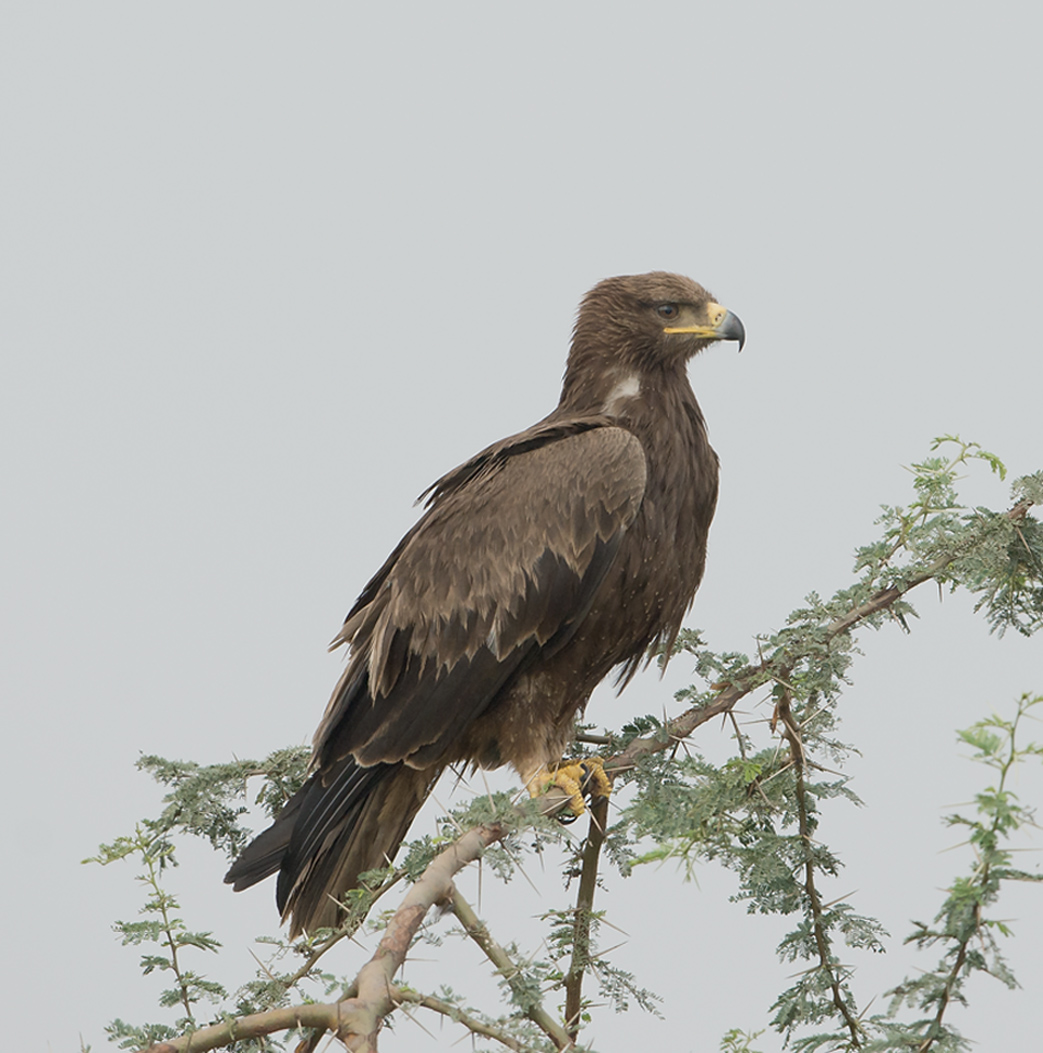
(628, 388)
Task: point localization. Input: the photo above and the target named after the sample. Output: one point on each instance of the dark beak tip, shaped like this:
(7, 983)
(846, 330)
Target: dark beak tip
(734, 330)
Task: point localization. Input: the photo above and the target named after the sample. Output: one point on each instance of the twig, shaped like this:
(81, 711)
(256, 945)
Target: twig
(594, 740)
(162, 902)
(478, 1027)
(508, 969)
(373, 1001)
(738, 734)
(934, 1029)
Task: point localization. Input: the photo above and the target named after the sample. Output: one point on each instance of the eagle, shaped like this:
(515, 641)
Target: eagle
(544, 562)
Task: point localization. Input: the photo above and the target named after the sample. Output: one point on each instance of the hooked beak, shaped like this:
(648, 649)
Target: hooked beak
(723, 326)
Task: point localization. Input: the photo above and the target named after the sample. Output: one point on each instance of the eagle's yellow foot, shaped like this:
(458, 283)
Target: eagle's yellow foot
(574, 781)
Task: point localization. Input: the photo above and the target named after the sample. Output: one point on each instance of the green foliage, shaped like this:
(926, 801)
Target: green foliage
(736, 1041)
(757, 816)
(164, 928)
(761, 814)
(523, 1031)
(738, 813)
(968, 937)
(207, 800)
(616, 986)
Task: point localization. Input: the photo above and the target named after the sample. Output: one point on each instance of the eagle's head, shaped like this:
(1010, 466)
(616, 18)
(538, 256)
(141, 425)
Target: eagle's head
(642, 325)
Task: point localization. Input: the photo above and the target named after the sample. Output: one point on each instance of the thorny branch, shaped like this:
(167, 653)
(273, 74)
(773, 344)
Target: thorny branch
(168, 931)
(349, 928)
(753, 676)
(507, 968)
(357, 1019)
(825, 958)
(581, 920)
(972, 927)
(447, 1009)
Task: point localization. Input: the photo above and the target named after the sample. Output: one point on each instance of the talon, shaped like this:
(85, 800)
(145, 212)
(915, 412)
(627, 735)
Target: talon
(576, 780)
(595, 782)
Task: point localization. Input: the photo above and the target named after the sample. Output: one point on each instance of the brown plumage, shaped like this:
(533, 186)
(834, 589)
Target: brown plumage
(539, 565)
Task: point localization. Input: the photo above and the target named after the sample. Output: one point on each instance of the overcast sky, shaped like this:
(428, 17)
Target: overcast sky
(268, 270)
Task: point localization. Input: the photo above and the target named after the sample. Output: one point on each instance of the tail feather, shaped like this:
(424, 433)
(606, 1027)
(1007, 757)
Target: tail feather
(265, 853)
(329, 834)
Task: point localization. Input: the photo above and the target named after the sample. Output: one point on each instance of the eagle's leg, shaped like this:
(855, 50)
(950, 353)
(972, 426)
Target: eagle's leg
(573, 781)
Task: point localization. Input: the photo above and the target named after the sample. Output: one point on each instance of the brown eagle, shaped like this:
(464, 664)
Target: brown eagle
(539, 565)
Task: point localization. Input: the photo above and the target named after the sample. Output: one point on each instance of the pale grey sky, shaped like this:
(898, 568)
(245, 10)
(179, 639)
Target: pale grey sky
(268, 270)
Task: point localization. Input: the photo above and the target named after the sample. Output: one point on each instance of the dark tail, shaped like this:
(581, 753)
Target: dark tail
(330, 832)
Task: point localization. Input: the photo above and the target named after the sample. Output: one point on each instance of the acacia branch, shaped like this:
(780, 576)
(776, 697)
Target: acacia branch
(588, 879)
(934, 1029)
(355, 1020)
(825, 958)
(373, 1001)
(983, 877)
(509, 970)
(478, 1027)
(253, 1026)
(349, 928)
(753, 676)
(163, 902)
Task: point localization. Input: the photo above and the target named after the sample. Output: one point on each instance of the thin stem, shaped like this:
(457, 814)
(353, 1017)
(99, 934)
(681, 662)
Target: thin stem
(934, 1031)
(825, 957)
(161, 902)
(594, 740)
(478, 1027)
(508, 969)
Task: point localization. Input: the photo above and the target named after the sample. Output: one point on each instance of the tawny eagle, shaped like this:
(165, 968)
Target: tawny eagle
(539, 565)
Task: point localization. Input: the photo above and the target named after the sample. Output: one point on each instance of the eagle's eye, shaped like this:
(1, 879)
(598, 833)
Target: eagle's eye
(667, 310)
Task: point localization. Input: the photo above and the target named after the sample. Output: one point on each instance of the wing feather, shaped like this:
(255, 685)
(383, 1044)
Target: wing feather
(504, 565)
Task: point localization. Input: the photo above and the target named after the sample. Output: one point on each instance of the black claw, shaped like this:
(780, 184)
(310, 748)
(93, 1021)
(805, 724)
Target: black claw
(586, 783)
